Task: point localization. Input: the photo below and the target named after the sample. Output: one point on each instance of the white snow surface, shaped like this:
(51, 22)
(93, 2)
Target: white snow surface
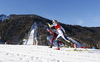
(33, 53)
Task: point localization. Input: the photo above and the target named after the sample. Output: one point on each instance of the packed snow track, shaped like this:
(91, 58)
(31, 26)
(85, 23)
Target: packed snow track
(32, 53)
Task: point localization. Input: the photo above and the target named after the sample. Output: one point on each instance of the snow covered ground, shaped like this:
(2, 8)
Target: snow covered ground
(32, 53)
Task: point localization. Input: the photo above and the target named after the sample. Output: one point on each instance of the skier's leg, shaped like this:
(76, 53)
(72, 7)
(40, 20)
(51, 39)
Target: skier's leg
(63, 36)
(57, 39)
(66, 39)
(58, 43)
(51, 42)
(57, 46)
(61, 33)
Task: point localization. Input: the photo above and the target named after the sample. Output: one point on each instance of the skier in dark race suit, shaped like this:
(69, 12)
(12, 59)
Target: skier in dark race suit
(53, 38)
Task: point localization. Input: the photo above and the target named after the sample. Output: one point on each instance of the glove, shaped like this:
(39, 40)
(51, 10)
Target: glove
(48, 24)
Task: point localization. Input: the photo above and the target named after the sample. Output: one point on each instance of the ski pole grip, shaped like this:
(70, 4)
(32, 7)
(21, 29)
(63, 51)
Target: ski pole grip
(48, 24)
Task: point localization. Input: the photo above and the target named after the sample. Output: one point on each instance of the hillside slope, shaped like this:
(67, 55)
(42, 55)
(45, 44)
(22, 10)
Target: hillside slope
(14, 29)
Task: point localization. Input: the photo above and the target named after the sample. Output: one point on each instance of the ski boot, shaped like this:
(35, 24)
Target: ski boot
(58, 48)
(50, 45)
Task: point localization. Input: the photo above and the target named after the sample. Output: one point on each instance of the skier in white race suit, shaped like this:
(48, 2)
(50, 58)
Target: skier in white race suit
(61, 32)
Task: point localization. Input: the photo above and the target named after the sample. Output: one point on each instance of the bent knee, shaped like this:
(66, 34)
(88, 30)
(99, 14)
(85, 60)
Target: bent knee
(57, 39)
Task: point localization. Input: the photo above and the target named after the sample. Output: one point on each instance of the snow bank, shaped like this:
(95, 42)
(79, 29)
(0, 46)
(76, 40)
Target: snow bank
(31, 53)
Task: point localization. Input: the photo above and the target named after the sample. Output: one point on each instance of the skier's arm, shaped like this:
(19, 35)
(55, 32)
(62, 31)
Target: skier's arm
(54, 24)
(63, 29)
(50, 34)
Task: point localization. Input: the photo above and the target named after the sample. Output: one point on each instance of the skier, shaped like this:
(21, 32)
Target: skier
(61, 32)
(54, 37)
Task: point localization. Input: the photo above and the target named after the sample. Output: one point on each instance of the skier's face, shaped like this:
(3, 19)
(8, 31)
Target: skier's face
(54, 22)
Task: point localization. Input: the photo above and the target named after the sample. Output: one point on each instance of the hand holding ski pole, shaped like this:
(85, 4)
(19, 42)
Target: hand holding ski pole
(49, 25)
